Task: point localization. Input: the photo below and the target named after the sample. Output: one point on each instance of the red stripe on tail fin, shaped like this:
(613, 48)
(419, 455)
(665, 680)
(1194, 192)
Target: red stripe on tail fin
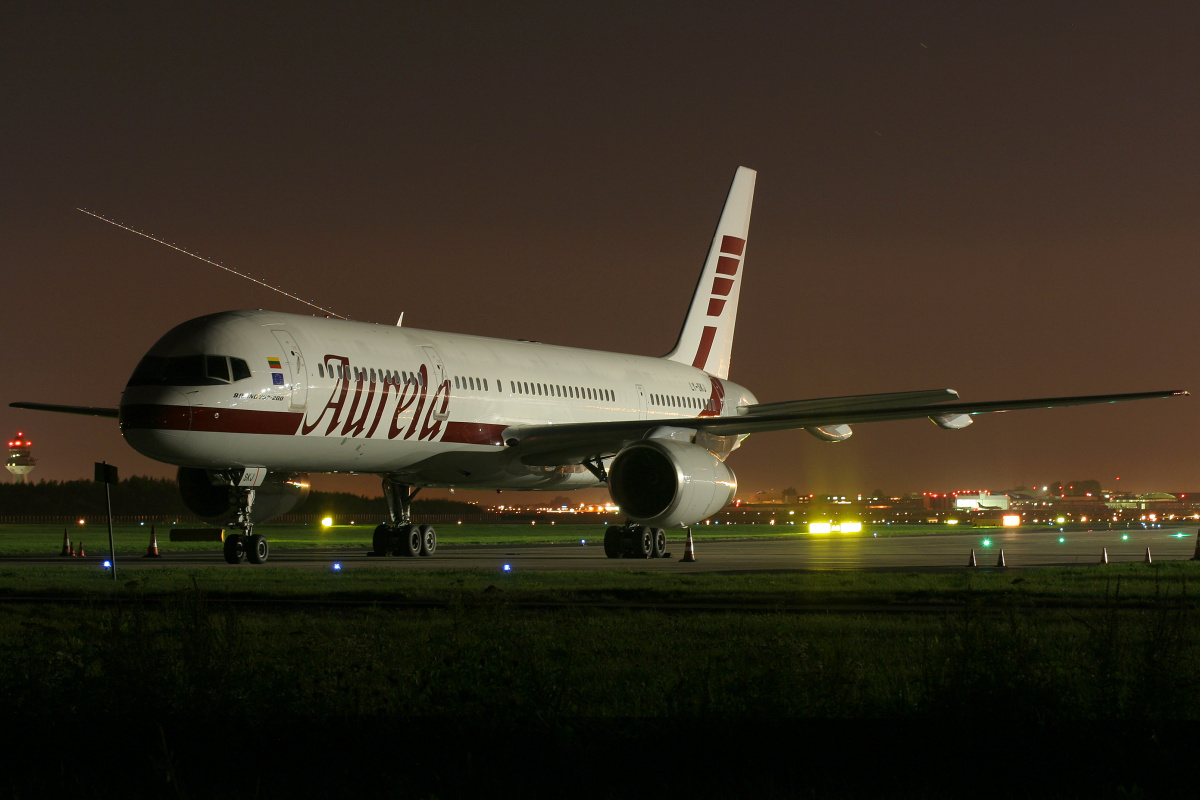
(706, 340)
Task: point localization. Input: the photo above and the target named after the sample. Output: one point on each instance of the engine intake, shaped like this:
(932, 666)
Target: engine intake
(668, 484)
(213, 499)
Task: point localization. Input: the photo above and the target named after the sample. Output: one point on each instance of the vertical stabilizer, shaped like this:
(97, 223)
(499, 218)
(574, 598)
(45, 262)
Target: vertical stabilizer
(706, 340)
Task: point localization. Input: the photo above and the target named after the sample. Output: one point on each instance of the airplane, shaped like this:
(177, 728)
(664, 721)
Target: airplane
(247, 403)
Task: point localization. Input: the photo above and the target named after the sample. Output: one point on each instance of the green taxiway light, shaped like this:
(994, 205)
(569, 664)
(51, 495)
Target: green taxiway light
(987, 542)
(1062, 539)
(1124, 536)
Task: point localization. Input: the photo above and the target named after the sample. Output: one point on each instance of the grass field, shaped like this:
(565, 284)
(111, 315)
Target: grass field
(454, 683)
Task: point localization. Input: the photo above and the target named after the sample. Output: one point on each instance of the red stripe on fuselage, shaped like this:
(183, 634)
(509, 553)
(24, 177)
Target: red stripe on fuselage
(218, 420)
(474, 433)
(274, 423)
(727, 265)
(715, 306)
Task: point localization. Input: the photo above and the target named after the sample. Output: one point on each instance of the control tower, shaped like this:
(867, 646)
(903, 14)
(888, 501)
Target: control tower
(20, 458)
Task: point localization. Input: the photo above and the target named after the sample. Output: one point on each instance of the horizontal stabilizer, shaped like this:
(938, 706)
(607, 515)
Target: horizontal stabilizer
(88, 411)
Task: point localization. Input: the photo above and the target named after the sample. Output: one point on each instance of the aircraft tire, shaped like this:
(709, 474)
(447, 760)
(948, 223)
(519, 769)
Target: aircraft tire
(409, 541)
(381, 541)
(428, 540)
(641, 542)
(660, 542)
(257, 549)
(235, 549)
(612, 542)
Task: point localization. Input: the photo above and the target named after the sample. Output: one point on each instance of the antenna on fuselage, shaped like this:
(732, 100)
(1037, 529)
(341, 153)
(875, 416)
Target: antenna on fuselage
(186, 252)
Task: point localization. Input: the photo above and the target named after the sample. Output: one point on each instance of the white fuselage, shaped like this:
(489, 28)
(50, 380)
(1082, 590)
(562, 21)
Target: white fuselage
(428, 408)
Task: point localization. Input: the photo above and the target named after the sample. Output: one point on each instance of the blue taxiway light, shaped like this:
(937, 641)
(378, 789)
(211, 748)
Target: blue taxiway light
(337, 567)
(106, 564)
(508, 567)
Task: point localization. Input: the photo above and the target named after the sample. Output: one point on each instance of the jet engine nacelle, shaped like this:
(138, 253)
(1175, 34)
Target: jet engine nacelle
(212, 498)
(666, 484)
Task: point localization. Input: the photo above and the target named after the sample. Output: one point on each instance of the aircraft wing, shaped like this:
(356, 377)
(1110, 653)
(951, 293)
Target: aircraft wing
(90, 411)
(547, 445)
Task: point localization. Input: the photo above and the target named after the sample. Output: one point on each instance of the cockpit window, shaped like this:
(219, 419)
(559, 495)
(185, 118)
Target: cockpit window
(216, 368)
(189, 371)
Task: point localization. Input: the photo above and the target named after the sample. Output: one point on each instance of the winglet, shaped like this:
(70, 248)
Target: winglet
(706, 340)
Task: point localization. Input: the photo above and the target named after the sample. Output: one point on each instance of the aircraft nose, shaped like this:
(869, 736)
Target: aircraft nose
(154, 423)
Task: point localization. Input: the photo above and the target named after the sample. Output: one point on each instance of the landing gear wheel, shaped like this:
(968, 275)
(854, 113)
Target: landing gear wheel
(381, 541)
(428, 539)
(409, 541)
(612, 542)
(257, 548)
(641, 542)
(235, 549)
(660, 542)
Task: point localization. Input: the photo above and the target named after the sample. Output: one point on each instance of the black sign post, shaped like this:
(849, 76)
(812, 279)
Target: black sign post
(107, 474)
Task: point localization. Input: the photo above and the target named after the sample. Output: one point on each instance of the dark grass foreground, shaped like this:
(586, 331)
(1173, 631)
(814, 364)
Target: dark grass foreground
(187, 696)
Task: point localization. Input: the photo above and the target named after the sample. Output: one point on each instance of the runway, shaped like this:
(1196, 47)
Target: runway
(813, 552)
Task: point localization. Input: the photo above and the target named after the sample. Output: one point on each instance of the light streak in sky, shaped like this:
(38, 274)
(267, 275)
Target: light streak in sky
(187, 252)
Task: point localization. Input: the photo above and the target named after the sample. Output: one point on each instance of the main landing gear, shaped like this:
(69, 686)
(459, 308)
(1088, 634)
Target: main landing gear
(400, 537)
(247, 545)
(635, 541)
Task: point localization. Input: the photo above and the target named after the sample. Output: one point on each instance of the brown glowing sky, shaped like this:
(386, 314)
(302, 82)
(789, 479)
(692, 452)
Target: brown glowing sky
(1002, 201)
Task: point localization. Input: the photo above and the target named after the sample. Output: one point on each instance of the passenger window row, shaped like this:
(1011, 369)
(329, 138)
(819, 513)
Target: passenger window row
(678, 401)
(392, 376)
(560, 390)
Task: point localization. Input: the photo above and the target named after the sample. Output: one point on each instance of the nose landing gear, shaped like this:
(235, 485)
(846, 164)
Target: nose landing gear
(247, 545)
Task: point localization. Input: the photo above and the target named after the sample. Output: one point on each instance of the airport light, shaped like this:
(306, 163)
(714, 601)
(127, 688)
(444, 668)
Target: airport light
(507, 567)
(1061, 520)
(987, 542)
(820, 527)
(337, 566)
(1124, 536)
(106, 564)
(1062, 540)
(327, 522)
(1011, 520)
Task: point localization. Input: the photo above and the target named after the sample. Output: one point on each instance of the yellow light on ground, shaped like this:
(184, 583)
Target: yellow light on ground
(819, 527)
(851, 527)
(951, 522)
(1011, 520)
(1061, 520)
(80, 522)
(327, 522)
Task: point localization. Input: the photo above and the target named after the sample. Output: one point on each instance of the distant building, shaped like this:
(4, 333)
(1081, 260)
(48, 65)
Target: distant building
(20, 458)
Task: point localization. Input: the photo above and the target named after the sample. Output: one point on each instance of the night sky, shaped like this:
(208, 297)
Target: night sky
(1004, 201)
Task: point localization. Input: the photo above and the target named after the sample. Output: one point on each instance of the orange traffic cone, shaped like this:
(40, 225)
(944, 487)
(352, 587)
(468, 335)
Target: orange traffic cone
(689, 549)
(66, 551)
(152, 550)
(1104, 556)
(1149, 560)
(972, 563)
(73, 553)
(1000, 561)
(81, 553)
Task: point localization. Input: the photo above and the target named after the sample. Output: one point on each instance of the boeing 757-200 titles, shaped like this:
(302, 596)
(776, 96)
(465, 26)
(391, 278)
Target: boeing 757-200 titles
(246, 403)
